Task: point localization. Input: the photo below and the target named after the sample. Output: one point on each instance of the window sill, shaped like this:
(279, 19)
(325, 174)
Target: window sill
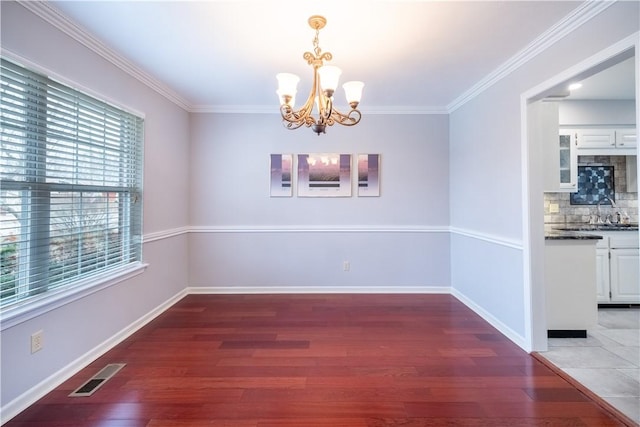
(20, 313)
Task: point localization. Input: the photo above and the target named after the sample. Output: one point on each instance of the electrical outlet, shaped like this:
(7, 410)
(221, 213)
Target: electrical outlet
(37, 341)
(554, 208)
(346, 265)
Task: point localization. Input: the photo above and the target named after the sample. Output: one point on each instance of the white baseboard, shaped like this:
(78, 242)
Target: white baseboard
(35, 393)
(489, 318)
(320, 290)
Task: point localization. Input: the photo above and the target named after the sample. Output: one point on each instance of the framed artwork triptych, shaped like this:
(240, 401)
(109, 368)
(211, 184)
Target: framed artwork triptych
(324, 175)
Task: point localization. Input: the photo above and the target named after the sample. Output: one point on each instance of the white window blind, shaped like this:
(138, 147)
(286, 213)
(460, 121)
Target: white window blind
(70, 186)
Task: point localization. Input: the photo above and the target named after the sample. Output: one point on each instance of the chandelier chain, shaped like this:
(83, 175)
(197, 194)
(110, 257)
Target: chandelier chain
(316, 43)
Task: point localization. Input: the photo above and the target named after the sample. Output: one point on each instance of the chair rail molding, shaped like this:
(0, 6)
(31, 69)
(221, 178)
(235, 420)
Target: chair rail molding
(319, 229)
(489, 238)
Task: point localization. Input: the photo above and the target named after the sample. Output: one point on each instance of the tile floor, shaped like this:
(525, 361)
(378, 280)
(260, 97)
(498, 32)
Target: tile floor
(607, 362)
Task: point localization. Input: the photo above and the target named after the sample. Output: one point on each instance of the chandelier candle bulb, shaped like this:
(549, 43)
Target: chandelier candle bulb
(286, 98)
(329, 76)
(353, 91)
(287, 87)
(325, 82)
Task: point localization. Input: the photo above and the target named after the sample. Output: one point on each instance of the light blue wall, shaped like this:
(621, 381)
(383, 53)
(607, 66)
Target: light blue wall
(394, 241)
(486, 177)
(216, 181)
(210, 173)
(73, 332)
(230, 171)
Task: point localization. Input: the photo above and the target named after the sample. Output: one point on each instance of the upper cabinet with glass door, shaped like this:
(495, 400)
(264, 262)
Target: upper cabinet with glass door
(558, 147)
(568, 162)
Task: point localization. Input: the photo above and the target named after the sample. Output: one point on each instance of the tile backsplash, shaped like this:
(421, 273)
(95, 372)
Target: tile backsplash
(626, 202)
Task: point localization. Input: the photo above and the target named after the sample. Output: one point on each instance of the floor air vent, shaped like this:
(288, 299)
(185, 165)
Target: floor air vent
(95, 382)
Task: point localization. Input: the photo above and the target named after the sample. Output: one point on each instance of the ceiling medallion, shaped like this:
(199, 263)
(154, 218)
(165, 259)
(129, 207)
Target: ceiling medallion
(325, 81)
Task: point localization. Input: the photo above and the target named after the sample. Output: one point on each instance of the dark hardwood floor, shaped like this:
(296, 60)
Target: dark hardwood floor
(319, 360)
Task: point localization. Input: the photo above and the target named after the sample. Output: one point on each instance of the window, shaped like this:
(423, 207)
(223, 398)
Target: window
(70, 187)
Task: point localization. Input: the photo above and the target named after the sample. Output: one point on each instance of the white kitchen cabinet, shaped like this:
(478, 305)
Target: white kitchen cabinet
(625, 276)
(632, 174)
(596, 138)
(571, 303)
(568, 161)
(602, 275)
(626, 138)
(622, 139)
(543, 132)
(618, 268)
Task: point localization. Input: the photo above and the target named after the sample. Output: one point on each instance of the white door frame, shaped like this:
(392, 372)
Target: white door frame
(532, 191)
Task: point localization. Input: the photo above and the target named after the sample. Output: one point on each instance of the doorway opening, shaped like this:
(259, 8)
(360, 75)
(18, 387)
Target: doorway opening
(533, 166)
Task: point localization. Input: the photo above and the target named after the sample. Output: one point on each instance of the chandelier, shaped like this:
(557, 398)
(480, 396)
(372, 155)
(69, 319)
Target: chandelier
(325, 81)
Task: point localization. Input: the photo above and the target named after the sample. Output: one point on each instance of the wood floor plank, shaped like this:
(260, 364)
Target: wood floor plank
(319, 360)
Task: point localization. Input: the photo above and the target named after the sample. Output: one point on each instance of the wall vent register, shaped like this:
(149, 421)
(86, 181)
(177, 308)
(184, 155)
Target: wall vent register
(98, 380)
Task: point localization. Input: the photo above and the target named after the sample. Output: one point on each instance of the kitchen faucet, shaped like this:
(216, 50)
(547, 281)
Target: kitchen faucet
(599, 214)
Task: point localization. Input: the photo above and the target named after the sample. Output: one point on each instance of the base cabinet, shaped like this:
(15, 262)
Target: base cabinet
(602, 275)
(618, 268)
(625, 275)
(569, 291)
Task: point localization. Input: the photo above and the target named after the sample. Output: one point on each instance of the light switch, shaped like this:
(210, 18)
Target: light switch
(554, 208)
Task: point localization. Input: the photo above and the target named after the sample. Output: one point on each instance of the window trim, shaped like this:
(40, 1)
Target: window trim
(32, 66)
(33, 307)
(52, 300)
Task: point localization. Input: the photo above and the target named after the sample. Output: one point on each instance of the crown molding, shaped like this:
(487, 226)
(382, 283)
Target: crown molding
(405, 109)
(54, 17)
(583, 13)
(271, 109)
(235, 109)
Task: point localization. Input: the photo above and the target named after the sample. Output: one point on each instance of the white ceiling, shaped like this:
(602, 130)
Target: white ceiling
(616, 82)
(224, 55)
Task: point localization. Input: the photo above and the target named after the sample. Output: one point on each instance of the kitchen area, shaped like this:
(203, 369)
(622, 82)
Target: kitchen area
(592, 256)
(591, 199)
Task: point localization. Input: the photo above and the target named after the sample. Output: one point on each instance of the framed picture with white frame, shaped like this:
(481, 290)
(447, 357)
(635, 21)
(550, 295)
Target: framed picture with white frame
(324, 175)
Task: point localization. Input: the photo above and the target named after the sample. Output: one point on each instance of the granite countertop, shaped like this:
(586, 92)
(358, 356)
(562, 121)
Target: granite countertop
(554, 234)
(581, 231)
